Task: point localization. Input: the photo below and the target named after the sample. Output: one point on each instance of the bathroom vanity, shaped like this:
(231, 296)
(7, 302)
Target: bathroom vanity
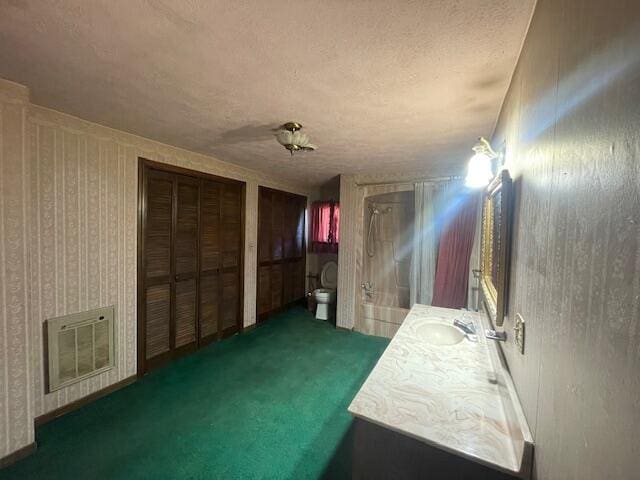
(440, 404)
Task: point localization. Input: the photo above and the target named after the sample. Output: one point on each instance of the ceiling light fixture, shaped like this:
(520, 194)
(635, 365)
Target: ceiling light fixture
(480, 171)
(291, 138)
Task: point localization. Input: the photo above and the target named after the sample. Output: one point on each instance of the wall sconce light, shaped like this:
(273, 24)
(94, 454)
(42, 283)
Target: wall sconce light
(291, 138)
(480, 171)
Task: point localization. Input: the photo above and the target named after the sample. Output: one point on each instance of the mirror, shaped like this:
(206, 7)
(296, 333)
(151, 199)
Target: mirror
(495, 245)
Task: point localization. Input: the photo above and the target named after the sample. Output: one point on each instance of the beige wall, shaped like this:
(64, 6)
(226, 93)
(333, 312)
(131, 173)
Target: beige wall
(347, 282)
(572, 131)
(69, 203)
(16, 412)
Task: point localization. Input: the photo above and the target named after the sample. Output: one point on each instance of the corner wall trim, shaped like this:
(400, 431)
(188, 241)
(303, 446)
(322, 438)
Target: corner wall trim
(249, 328)
(81, 402)
(18, 455)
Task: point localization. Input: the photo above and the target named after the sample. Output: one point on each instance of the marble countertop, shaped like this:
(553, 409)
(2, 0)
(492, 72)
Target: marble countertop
(459, 398)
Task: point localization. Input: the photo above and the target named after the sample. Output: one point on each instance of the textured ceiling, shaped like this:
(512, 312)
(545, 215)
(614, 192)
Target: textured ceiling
(381, 86)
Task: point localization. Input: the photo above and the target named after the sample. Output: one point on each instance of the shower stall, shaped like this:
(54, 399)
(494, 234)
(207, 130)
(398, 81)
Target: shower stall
(391, 242)
(386, 261)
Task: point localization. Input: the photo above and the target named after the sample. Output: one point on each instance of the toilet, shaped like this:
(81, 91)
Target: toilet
(326, 296)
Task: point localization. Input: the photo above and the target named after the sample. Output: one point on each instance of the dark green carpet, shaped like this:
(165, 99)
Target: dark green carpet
(270, 403)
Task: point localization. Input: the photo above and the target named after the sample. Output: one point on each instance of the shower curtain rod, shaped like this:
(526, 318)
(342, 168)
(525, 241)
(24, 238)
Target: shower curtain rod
(410, 182)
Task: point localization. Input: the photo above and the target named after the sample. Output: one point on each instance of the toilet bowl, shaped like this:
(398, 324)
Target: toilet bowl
(326, 296)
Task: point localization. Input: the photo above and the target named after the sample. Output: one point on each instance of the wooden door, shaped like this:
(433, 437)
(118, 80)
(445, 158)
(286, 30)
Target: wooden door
(190, 261)
(221, 260)
(264, 252)
(231, 218)
(157, 274)
(210, 241)
(281, 253)
(185, 251)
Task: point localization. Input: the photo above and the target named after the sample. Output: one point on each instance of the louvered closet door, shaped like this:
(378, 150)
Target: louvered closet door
(190, 258)
(221, 260)
(186, 262)
(264, 251)
(281, 255)
(277, 248)
(158, 282)
(298, 257)
(277, 225)
(231, 259)
(210, 261)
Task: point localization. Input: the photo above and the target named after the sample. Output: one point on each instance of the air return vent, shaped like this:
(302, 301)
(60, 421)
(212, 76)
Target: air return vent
(79, 346)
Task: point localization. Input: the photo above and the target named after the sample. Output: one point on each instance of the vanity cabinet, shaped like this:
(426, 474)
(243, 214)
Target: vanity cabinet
(381, 453)
(440, 404)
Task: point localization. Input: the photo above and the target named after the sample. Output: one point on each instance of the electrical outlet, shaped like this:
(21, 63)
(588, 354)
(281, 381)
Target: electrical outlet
(518, 332)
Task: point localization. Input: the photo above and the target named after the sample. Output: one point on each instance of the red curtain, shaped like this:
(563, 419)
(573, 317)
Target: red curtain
(325, 222)
(454, 253)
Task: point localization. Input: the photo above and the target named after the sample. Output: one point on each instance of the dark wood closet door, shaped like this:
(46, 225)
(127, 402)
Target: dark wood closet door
(221, 260)
(264, 251)
(299, 251)
(277, 225)
(186, 262)
(231, 226)
(190, 261)
(281, 253)
(210, 261)
(157, 275)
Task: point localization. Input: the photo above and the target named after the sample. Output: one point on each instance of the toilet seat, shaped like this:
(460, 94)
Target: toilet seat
(324, 295)
(322, 291)
(329, 276)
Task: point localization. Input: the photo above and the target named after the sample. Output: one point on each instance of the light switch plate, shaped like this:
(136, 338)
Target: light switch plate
(518, 332)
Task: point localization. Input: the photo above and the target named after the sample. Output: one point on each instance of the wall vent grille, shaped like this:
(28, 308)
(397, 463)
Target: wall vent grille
(80, 345)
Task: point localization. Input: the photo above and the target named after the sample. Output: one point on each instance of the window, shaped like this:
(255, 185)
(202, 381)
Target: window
(325, 221)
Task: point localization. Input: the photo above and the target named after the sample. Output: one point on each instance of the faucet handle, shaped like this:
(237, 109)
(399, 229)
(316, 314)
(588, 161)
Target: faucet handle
(496, 335)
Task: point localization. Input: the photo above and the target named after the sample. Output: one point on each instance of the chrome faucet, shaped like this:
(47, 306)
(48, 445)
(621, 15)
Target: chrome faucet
(467, 327)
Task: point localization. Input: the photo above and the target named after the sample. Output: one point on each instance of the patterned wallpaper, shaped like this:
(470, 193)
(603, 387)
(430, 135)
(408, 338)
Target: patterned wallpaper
(347, 288)
(83, 241)
(80, 181)
(16, 413)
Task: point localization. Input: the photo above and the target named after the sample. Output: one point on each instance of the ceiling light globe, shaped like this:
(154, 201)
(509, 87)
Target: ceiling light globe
(284, 137)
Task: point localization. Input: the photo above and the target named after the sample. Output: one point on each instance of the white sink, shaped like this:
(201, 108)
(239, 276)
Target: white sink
(441, 334)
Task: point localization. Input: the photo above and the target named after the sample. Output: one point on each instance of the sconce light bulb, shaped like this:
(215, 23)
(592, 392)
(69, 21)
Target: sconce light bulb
(479, 171)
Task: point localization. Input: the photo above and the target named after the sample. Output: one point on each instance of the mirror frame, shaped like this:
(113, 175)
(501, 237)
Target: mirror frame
(495, 296)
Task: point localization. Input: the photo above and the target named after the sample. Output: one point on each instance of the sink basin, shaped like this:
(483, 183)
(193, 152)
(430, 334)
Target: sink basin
(441, 334)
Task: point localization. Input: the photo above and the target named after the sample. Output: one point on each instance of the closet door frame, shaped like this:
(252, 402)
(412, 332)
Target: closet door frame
(144, 166)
